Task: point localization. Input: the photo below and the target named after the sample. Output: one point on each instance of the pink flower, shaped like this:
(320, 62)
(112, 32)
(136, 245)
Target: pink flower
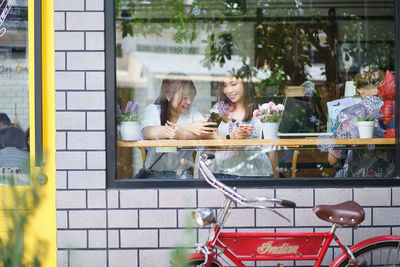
(256, 113)
(265, 106)
(275, 108)
(269, 112)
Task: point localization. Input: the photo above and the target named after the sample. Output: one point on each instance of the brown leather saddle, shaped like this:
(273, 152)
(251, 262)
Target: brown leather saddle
(346, 213)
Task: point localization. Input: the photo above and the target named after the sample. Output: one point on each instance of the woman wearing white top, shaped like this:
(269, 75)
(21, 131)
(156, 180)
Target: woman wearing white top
(236, 102)
(172, 116)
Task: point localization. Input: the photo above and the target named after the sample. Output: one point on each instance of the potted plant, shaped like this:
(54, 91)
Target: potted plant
(270, 115)
(129, 122)
(366, 124)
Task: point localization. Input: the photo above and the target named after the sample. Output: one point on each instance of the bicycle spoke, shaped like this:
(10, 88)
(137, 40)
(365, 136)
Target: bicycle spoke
(364, 261)
(387, 260)
(397, 255)
(381, 255)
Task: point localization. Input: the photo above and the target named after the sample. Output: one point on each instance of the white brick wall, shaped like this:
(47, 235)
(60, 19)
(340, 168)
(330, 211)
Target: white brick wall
(138, 198)
(69, 41)
(86, 101)
(69, 5)
(71, 239)
(65, 80)
(123, 258)
(122, 218)
(139, 238)
(96, 199)
(87, 219)
(85, 21)
(162, 228)
(14, 93)
(138, 227)
(86, 180)
(95, 80)
(88, 258)
(97, 239)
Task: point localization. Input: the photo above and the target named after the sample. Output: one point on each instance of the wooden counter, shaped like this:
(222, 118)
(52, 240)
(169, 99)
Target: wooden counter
(289, 143)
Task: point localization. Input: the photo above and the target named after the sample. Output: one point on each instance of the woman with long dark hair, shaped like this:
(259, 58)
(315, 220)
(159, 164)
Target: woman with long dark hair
(172, 116)
(237, 103)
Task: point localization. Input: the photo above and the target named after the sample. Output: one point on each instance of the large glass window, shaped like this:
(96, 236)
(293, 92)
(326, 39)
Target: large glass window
(14, 92)
(318, 72)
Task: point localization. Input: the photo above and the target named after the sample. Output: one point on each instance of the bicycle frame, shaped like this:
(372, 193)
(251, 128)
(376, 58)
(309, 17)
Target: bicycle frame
(239, 247)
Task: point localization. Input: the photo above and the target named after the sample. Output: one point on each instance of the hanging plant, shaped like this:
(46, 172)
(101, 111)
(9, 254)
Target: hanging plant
(218, 49)
(178, 21)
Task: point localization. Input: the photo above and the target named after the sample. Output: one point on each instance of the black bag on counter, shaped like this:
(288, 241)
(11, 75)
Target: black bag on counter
(144, 173)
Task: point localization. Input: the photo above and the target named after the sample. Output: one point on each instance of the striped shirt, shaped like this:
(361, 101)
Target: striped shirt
(12, 157)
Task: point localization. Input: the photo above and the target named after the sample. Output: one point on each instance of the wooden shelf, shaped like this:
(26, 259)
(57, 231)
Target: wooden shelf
(290, 143)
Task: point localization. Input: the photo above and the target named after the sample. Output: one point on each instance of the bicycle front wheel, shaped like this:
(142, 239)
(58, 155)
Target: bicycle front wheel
(378, 254)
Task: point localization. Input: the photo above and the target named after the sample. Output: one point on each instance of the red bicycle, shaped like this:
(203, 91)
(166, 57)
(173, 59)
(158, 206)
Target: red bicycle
(241, 247)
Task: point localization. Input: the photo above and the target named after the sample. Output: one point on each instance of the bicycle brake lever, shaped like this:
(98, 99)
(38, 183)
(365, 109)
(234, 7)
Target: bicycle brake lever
(281, 202)
(287, 203)
(231, 192)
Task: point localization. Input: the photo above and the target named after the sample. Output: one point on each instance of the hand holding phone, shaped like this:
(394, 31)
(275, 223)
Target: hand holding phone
(248, 128)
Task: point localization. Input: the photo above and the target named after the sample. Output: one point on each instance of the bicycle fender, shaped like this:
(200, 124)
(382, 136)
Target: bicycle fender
(200, 256)
(363, 244)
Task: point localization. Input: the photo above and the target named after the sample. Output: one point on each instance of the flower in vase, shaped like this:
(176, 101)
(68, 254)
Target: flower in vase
(131, 112)
(269, 112)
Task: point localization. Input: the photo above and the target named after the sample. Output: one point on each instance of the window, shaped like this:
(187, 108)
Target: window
(14, 93)
(320, 61)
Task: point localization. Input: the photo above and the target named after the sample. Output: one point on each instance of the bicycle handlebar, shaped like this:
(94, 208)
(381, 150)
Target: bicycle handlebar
(231, 193)
(281, 202)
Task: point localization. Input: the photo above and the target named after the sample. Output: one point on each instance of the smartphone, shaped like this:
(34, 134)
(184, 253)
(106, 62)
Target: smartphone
(247, 127)
(214, 117)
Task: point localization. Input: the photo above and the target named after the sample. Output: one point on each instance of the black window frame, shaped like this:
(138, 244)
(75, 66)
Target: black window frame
(111, 142)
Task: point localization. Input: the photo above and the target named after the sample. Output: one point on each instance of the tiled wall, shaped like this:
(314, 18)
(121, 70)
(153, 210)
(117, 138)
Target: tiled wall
(14, 93)
(139, 227)
(116, 228)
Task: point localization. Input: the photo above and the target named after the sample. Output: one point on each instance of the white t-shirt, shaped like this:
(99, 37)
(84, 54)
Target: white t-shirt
(170, 161)
(248, 161)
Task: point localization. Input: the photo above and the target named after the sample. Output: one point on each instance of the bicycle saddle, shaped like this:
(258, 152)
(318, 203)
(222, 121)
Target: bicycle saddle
(346, 213)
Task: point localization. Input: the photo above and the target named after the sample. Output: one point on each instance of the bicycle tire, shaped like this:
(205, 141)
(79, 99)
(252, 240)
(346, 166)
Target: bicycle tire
(386, 253)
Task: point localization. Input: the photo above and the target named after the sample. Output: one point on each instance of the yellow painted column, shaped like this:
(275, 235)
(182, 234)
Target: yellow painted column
(44, 221)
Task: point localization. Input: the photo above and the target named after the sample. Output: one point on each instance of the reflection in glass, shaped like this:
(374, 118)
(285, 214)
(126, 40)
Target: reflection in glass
(302, 54)
(14, 91)
(172, 116)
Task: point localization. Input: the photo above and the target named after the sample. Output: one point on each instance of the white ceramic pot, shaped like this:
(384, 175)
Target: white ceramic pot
(130, 130)
(366, 128)
(270, 130)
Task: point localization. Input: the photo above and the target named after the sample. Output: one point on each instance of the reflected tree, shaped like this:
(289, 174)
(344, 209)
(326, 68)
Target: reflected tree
(286, 37)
